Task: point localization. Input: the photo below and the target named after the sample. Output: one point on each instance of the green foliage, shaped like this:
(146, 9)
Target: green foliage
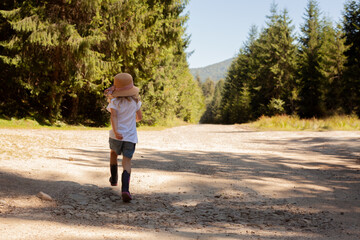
(276, 53)
(322, 65)
(241, 72)
(208, 89)
(276, 106)
(333, 68)
(351, 27)
(61, 55)
(317, 77)
(311, 80)
(213, 107)
(263, 75)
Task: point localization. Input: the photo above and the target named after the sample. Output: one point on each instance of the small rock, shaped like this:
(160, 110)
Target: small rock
(278, 212)
(120, 210)
(114, 198)
(78, 215)
(58, 212)
(79, 198)
(70, 212)
(67, 207)
(84, 202)
(44, 196)
(87, 216)
(102, 213)
(307, 221)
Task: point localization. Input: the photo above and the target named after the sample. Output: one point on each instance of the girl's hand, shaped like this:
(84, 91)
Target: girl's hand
(118, 135)
(138, 115)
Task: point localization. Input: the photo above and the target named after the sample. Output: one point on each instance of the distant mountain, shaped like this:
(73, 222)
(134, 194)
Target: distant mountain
(215, 71)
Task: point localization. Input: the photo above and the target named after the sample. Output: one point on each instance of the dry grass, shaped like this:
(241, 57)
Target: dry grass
(32, 124)
(294, 123)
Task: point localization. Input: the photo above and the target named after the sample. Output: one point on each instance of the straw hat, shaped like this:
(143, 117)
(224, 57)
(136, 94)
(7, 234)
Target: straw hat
(123, 86)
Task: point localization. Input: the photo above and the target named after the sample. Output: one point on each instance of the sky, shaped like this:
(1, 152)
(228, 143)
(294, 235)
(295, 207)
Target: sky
(218, 28)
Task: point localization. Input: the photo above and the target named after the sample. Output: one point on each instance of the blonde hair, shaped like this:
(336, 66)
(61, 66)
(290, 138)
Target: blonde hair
(136, 98)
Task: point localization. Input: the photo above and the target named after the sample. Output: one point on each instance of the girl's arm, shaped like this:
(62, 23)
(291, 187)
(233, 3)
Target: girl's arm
(138, 115)
(113, 120)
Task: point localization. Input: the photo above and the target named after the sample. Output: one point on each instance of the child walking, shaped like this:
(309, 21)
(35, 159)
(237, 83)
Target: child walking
(124, 107)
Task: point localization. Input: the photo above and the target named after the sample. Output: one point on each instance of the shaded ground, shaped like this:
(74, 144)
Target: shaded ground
(191, 182)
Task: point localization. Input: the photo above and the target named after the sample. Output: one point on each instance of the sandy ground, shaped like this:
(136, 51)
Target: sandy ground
(190, 182)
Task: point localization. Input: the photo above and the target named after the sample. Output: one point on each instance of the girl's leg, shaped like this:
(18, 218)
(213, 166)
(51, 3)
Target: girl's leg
(126, 164)
(113, 168)
(125, 179)
(113, 157)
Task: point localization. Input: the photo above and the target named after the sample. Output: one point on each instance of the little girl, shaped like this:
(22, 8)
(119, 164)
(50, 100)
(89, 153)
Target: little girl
(124, 106)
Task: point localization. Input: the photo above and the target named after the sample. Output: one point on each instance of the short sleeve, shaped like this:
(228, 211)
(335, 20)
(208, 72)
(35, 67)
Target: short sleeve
(138, 105)
(111, 105)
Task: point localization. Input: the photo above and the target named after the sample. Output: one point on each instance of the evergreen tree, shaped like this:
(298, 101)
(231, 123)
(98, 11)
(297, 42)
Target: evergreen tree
(276, 53)
(208, 88)
(311, 82)
(262, 78)
(271, 75)
(332, 67)
(351, 25)
(61, 55)
(213, 102)
(241, 72)
(50, 54)
(215, 105)
(10, 104)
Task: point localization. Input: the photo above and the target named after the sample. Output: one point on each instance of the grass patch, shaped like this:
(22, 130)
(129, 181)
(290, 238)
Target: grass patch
(294, 123)
(33, 124)
(169, 123)
(19, 123)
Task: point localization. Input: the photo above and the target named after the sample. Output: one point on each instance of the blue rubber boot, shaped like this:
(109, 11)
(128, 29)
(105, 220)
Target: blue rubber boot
(114, 175)
(125, 181)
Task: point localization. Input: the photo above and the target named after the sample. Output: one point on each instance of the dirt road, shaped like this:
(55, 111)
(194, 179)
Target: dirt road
(190, 182)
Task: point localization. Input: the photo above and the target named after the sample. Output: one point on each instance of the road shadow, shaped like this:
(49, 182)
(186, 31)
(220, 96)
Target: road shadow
(326, 186)
(333, 181)
(90, 205)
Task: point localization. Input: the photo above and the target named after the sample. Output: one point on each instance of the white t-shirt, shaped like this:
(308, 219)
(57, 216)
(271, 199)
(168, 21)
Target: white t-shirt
(126, 118)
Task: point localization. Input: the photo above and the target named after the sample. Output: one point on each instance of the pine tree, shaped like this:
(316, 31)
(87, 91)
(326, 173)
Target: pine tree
(332, 67)
(53, 56)
(276, 53)
(65, 53)
(208, 88)
(150, 44)
(10, 105)
(351, 25)
(241, 72)
(215, 105)
(311, 82)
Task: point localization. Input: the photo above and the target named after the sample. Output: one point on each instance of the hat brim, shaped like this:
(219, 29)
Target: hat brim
(126, 93)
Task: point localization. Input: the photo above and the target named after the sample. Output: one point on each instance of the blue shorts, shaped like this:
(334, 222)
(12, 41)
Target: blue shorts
(122, 147)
